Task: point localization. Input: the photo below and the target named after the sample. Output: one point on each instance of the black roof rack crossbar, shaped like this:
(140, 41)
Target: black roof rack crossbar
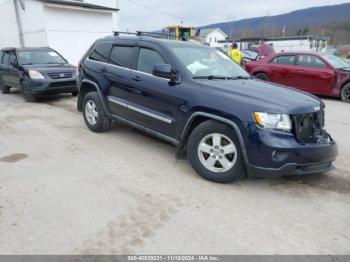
(118, 33)
(143, 33)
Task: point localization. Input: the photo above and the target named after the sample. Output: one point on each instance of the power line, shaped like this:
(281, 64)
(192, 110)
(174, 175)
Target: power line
(155, 10)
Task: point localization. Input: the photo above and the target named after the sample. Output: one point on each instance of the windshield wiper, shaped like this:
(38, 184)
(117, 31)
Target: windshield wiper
(240, 77)
(211, 77)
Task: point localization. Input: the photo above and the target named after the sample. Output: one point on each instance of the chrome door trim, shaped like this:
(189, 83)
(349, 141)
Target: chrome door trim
(139, 110)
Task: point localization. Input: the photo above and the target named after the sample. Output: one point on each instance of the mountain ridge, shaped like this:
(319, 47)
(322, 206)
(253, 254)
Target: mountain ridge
(316, 19)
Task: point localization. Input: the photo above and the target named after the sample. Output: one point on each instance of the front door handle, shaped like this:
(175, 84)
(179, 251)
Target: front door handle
(103, 69)
(136, 78)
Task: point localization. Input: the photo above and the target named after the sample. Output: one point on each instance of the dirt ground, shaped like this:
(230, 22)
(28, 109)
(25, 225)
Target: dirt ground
(66, 190)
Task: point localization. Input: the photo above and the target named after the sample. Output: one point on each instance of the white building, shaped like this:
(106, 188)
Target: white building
(299, 43)
(286, 44)
(211, 36)
(69, 26)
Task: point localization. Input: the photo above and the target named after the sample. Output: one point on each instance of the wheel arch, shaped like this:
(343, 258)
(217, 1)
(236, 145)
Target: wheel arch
(346, 83)
(261, 72)
(85, 87)
(200, 117)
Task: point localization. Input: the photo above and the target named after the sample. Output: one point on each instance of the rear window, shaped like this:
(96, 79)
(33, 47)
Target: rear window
(101, 52)
(121, 56)
(284, 60)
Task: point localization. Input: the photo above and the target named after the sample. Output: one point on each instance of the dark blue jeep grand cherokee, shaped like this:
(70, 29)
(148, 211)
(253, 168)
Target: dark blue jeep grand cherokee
(195, 97)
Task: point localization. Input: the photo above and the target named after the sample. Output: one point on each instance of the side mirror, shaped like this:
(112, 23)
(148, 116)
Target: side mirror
(164, 71)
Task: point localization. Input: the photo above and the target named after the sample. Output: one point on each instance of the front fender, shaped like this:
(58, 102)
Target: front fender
(233, 123)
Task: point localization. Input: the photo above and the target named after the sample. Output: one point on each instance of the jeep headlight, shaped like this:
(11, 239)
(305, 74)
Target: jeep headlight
(36, 75)
(274, 121)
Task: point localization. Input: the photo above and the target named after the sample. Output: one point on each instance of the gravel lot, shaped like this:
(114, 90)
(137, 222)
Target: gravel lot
(66, 190)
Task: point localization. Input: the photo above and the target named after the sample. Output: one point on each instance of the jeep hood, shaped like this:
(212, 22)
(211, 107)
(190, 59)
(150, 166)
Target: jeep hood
(264, 97)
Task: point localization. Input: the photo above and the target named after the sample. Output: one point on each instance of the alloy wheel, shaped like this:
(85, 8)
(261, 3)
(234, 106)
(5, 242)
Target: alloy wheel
(91, 112)
(346, 94)
(217, 153)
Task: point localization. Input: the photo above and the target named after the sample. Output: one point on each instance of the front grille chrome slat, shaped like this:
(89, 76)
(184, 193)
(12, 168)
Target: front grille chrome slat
(60, 75)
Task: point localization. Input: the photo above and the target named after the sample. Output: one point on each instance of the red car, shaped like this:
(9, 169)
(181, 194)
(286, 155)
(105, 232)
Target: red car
(320, 74)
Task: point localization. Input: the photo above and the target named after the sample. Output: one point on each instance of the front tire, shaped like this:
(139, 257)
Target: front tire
(263, 76)
(94, 114)
(4, 89)
(345, 93)
(27, 92)
(214, 152)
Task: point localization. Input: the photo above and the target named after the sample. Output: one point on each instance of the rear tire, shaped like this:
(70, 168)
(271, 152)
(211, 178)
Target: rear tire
(4, 89)
(215, 153)
(27, 92)
(345, 93)
(94, 114)
(263, 76)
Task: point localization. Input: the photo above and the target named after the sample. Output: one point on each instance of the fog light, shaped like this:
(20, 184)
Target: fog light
(279, 156)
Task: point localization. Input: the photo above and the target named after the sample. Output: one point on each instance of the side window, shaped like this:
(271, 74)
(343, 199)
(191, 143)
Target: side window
(5, 59)
(121, 56)
(284, 60)
(12, 59)
(1, 54)
(147, 59)
(310, 60)
(101, 52)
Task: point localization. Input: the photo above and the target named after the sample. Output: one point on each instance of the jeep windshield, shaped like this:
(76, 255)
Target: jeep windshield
(35, 57)
(207, 63)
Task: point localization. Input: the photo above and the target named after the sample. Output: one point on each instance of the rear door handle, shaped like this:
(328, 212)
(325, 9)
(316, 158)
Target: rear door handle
(135, 90)
(136, 78)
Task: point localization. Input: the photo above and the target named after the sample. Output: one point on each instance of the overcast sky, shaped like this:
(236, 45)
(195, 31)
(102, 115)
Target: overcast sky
(202, 12)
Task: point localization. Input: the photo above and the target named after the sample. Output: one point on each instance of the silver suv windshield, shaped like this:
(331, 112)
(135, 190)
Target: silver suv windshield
(35, 57)
(204, 62)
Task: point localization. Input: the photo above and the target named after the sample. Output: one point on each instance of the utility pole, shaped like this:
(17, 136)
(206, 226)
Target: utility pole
(18, 20)
(284, 31)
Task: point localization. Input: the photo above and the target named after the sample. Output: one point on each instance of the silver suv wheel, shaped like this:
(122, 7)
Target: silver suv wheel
(91, 112)
(217, 153)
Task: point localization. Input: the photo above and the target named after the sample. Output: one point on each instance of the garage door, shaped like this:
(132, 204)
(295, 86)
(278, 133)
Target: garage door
(71, 31)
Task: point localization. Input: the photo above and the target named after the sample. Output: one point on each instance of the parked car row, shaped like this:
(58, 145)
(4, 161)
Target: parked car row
(227, 123)
(36, 72)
